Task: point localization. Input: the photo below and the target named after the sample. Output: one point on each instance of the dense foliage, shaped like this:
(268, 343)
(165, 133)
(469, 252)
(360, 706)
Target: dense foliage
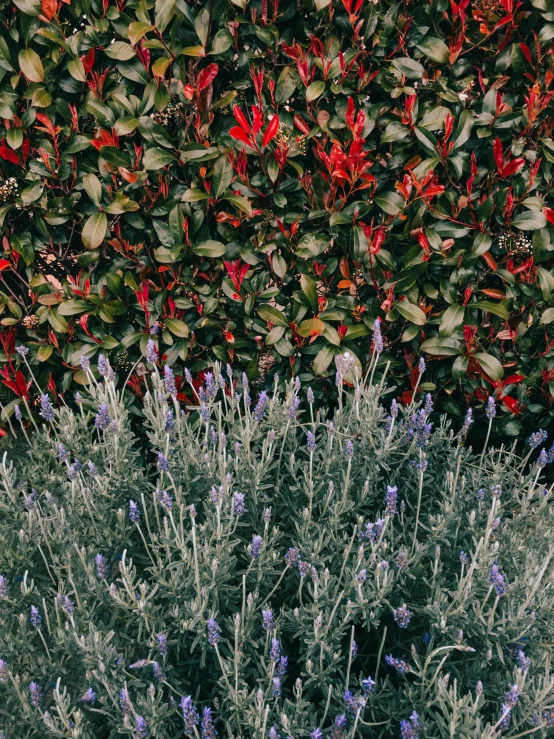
(256, 182)
(269, 573)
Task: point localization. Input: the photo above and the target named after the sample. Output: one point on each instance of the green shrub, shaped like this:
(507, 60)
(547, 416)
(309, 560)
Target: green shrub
(272, 572)
(257, 181)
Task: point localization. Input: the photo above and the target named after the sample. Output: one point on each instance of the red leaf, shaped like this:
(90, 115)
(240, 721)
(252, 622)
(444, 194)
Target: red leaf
(512, 167)
(271, 131)
(526, 51)
(241, 119)
(512, 380)
(498, 158)
(549, 213)
(49, 8)
(490, 260)
(25, 148)
(88, 60)
(207, 76)
(8, 154)
(511, 403)
(4, 264)
(240, 135)
(301, 124)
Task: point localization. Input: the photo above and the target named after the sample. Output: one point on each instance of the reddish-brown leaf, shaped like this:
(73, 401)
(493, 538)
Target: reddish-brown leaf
(271, 131)
(207, 76)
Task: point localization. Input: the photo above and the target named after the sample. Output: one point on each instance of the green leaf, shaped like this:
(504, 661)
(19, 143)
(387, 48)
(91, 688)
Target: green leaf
(275, 335)
(435, 49)
(22, 245)
(311, 327)
(314, 91)
(240, 202)
(499, 309)
(137, 30)
(30, 65)
(29, 7)
(194, 196)
(222, 41)
(286, 85)
(391, 202)
(529, 220)
(442, 347)
(199, 152)
(94, 230)
(411, 312)
(311, 245)
(120, 50)
(359, 248)
(310, 291)
(77, 70)
(223, 175)
(546, 280)
(198, 51)
(165, 9)
(459, 367)
(463, 129)
(395, 131)
(73, 307)
(202, 26)
(272, 315)
(547, 316)
(209, 248)
(93, 188)
(490, 365)
(408, 67)
(481, 244)
(452, 319)
(434, 119)
(177, 327)
(155, 159)
(322, 360)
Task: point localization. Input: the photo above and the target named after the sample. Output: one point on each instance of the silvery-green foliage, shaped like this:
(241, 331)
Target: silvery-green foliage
(258, 571)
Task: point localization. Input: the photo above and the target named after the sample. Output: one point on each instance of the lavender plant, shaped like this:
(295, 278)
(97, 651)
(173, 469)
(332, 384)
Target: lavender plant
(262, 572)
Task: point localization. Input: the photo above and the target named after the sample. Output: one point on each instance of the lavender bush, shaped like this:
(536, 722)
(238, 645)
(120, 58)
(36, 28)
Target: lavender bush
(262, 572)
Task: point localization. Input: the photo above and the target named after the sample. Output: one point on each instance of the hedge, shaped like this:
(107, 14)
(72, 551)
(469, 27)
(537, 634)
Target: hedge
(257, 182)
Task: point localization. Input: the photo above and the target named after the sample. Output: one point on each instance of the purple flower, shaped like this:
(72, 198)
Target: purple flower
(103, 365)
(497, 579)
(267, 620)
(490, 413)
(3, 587)
(89, 697)
(399, 665)
(538, 438)
(17, 413)
(361, 577)
(317, 734)
(36, 618)
(523, 662)
(169, 380)
(377, 336)
(63, 454)
(304, 568)
(401, 560)
(261, 405)
(428, 407)
(85, 363)
(421, 366)
(134, 512)
(102, 420)
(551, 454)
(214, 632)
(92, 468)
(22, 350)
(2, 671)
(101, 568)
(190, 714)
(467, 422)
(275, 651)
(141, 728)
(292, 557)
(169, 424)
(211, 389)
(310, 396)
(339, 726)
(311, 441)
(238, 504)
(349, 449)
(402, 616)
(293, 409)
(410, 729)
(46, 410)
(163, 462)
(67, 605)
(281, 667)
(354, 703)
(464, 559)
(394, 408)
(256, 546)
(354, 650)
(208, 729)
(162, 644)
(391, 499)
(368, 685)
(276, 688)
(542, 459)
(151, 352)
(36, 694)
(205, 413)
(372, 531)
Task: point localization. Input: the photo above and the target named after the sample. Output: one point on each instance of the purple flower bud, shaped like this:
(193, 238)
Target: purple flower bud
(151, 352)
(102, 419)
(103, 365)
(101, 567)
(190, 714)
(256, 546)
(214, 632)
(36, 618)
(402, 616)
(46, 410)
(169, 380)
(134, 512)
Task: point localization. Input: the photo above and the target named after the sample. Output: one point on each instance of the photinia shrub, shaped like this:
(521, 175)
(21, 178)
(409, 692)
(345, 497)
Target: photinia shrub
(257, 182)
(256, 571)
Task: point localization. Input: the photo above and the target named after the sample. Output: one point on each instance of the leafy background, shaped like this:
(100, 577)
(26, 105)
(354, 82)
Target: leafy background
(257, 182)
